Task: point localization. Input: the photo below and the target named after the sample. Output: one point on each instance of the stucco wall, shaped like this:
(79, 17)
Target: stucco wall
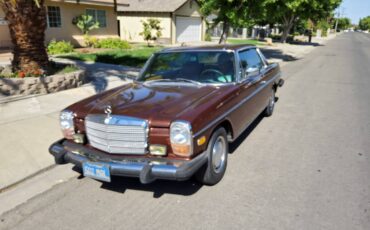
(4, 33)
(68, 31)
(131, 25)
(190, 8)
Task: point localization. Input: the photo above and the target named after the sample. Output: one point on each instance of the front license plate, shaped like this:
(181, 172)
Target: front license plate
(97, 171)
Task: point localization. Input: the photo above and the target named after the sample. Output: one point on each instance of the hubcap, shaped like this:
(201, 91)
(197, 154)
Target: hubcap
(219, 154)
(272, 102)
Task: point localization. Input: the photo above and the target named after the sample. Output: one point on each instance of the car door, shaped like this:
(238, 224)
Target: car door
(266, 85)
(258, 75)
(250, 77)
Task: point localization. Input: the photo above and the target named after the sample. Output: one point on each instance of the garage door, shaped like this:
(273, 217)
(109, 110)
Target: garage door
(188, 29)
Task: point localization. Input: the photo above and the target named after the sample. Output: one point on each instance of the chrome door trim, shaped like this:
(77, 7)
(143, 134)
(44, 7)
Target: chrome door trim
(235, 106)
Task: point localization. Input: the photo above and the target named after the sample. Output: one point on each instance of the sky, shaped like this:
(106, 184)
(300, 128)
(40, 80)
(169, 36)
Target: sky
(355, 9)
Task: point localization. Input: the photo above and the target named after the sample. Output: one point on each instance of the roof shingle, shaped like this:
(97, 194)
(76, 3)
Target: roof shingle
(94, 2)
(150, 5)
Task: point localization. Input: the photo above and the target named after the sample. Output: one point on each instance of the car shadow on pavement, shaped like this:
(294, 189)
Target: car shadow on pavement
(99, 78)
(277, 55)
(315, 44)
(158, 188)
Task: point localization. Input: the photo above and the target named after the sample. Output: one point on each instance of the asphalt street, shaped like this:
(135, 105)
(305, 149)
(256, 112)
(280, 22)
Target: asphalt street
(306, 167)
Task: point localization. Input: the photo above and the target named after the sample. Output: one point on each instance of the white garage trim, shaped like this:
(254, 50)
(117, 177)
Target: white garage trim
(188, 29)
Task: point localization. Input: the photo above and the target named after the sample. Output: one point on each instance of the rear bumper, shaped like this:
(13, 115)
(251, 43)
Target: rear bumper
(146, 169)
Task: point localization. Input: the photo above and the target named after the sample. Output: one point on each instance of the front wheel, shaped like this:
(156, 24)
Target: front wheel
(213, 171)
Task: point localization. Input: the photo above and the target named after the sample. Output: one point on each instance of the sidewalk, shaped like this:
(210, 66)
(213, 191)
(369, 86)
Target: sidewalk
(28, 125)
(285, 53)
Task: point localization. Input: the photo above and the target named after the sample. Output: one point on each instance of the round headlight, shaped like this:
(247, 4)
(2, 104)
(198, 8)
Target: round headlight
(181, 138)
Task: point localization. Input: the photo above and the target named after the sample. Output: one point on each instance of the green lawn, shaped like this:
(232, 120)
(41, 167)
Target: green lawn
(134, 57)
(245, 41)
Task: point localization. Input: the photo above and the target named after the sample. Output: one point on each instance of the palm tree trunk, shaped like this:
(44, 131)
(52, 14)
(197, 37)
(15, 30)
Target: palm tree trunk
(27, 25)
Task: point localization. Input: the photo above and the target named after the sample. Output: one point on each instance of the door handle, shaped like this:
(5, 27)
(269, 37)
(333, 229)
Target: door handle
(262, 82)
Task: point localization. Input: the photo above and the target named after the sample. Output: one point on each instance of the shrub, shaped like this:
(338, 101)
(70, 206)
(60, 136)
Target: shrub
(91, 41)
(113, 43)
(208, 37)
(323, 26)
(152, 30)
(85, 23)
(67, 69)
(59, 47)
(278, 37)
(53, 68)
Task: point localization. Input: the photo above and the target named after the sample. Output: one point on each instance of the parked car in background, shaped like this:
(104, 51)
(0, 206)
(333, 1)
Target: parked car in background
(176, 120)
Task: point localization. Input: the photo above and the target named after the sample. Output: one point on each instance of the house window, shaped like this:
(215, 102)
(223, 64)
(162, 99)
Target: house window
(98, 16)
(54, 18)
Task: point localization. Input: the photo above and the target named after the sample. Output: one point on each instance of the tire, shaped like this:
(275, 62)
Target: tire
(269, 110)
(218, 148)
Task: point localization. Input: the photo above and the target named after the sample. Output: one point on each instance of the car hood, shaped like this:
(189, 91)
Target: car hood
(159, 103)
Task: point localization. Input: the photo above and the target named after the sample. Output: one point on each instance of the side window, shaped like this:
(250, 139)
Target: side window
(98, 16)
(250, 59)
(250, 63)
(54, 19)
(101, 18)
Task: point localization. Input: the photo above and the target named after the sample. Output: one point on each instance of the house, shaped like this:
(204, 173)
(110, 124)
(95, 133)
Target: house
(181, 20)
(59, 20)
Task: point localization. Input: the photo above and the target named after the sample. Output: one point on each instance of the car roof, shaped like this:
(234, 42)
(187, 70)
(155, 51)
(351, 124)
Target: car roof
(224, 47)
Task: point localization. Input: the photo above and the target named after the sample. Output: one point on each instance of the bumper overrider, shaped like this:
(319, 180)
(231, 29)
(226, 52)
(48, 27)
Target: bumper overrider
(146, 169)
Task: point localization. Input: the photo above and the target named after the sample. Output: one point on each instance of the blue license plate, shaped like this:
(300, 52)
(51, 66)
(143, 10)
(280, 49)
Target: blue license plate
(97, 171)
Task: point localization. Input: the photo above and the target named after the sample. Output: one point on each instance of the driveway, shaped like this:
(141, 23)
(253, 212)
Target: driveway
(306, 167)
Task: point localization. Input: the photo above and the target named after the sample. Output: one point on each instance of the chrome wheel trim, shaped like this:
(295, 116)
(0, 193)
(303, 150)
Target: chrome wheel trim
(219, 154)
(271, 103)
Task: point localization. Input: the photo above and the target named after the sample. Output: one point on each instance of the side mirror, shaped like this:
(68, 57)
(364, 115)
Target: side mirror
(244, 64)
(251, 71)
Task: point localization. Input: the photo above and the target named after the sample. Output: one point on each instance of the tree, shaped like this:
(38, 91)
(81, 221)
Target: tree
(85, 23)
(288, 12)
(27, 25)
(344, 23)
(152, 30)
(232, 13)
(364, 23)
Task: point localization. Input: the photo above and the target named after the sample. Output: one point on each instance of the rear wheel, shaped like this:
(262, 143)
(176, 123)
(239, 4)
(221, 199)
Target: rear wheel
(213, 171)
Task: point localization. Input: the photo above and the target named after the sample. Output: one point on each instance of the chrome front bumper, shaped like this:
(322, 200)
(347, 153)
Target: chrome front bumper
(146, 169)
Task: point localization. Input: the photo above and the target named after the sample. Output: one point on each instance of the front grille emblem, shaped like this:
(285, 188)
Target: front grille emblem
(108, 111)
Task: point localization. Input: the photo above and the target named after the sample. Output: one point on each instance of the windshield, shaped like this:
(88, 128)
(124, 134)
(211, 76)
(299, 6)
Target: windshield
(198, 66)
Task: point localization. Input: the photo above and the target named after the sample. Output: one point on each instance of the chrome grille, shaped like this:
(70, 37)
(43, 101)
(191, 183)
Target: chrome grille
(117, 134)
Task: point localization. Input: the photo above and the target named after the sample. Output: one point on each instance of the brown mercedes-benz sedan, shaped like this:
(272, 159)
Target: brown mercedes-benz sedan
(175, 120)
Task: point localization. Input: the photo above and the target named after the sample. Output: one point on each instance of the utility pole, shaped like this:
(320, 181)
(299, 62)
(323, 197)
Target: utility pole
(339, 13)
(336, 23)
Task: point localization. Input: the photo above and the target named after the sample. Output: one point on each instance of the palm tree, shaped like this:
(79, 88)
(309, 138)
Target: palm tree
(27, 25)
